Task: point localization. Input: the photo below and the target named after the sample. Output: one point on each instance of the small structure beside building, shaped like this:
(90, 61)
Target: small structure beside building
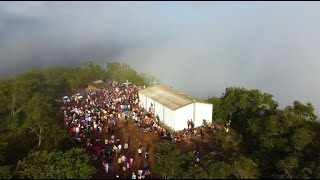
(97, 85)
(175, 108)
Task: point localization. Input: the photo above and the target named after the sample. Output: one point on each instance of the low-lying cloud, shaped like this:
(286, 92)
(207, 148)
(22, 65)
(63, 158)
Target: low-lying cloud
(197, 47)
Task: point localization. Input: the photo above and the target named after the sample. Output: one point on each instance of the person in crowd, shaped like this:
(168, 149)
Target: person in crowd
(146, 174)
(146, 165)
(119, 162)
(119, 148)
(197, 156)
(140, 171)
(124, 126)
(126, 147)
(147, 155)
(133, 176)
(131, 162)
(140, 151)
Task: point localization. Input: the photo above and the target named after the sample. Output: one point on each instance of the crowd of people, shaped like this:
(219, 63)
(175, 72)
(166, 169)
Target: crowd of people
(93, 118)
(101, 110)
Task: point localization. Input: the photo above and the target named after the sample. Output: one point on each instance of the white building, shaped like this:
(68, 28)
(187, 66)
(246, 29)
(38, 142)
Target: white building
(175, 108)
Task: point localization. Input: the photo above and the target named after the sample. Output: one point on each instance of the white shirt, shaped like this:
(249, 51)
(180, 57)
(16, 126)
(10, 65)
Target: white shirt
(107, 167)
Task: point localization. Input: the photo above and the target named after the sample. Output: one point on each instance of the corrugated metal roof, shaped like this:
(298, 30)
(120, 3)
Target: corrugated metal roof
(169, 97)
(97, 82)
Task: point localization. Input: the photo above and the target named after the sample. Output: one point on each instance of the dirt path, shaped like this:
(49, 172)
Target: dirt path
(133, 135)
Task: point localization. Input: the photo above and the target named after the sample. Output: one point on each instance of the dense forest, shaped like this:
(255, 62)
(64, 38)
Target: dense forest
(263, 142)
(32, 138)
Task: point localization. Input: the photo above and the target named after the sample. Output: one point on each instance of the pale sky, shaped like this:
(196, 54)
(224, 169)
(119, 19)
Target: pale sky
(197, 47)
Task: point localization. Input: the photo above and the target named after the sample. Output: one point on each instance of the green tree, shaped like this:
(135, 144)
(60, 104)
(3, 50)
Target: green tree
(39, 117)
(148, 79)
(286, 133)
(239, 105)
(168, 160)
(217, 114)
(19, 94)
(245, 168)
(74, 164)
(91, 72)
(122, 72)
(226, 144)
(302, 137)
(58, 137)
(208, 168)
(304, 110)
(195, 171)
(5, 170)
(288, 165)
(56, 80)
(3, 147)
(218, 169)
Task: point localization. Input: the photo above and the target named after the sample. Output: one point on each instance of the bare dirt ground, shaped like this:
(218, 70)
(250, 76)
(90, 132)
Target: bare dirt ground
(133, 135)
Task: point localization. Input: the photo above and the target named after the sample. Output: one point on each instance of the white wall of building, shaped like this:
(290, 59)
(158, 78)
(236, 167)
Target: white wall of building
(203, 111)
(182, 115)
(169, 118)
(148, 103)
(142, 100)
(159, 109)
(145, 101)
(177, 119)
